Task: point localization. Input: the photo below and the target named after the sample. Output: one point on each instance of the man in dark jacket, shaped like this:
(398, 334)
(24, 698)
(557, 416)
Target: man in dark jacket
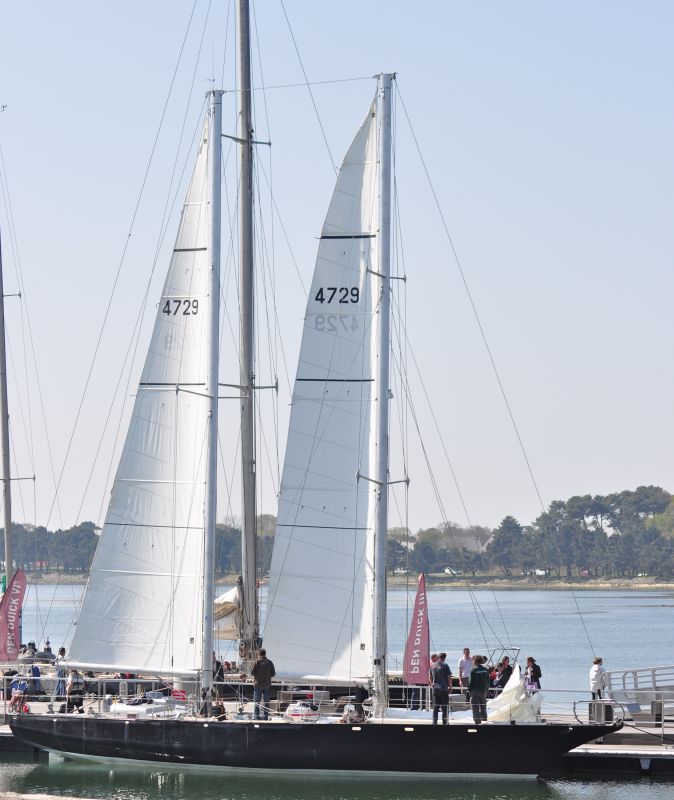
(441, 680)
(478, 685)
(263, 671)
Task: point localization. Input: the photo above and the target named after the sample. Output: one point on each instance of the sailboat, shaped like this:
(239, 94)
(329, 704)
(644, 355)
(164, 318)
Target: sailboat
(149, 603)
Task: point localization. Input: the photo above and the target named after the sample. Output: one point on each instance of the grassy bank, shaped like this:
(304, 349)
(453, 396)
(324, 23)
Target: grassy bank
(524, 582)
(441, 582)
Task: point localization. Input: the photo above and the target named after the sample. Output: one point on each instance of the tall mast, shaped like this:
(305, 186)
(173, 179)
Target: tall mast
(4, 425)
(215, 164)
(249, 624)
(382, 413)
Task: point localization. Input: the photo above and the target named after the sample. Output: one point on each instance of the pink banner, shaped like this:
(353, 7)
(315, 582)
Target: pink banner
(417, 654)
(10, 617)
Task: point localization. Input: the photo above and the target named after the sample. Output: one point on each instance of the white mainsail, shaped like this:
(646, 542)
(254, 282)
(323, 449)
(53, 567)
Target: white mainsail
(319, 607)
(142, 609)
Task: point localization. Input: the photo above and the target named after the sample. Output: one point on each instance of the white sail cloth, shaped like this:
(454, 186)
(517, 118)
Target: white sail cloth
(227, 614)
(514, 702)
(319, 617)
(142, 610)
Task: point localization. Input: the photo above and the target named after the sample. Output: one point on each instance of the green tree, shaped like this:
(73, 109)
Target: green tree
(397, 555)
(505, 548)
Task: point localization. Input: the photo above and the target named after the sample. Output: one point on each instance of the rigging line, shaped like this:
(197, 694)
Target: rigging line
(230, 269)
(28, 430)
(121, 262)
(169, 211)
(229, 484)
(273, 341)
(472, 303)
(226, 39)
(277, 323)
(17, 259)
(401, 288)
(261, 263)
(410, 351)
(308, 85)
(438, 499)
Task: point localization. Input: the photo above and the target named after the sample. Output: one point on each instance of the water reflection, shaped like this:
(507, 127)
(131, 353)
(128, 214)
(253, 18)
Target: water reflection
(94, 781)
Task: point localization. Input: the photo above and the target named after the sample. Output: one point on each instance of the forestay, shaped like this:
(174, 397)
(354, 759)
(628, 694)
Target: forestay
(142, 609)
(319, 618)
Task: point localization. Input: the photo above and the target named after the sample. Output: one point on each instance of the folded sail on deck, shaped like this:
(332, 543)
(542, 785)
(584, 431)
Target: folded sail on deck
(142, 609)
(319, 618)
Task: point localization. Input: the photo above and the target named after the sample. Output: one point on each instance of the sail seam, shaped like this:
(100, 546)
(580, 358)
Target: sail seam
(336, 380)
(348, 236)
(151, 525)
(322, 527)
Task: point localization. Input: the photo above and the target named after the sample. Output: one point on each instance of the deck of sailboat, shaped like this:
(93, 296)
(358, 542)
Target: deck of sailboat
(243, 713)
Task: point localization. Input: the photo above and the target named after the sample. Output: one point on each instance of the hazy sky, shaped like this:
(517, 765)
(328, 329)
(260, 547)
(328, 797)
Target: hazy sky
(547, 130)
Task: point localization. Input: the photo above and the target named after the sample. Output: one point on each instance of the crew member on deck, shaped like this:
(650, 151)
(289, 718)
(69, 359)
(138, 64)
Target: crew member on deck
(263, 671)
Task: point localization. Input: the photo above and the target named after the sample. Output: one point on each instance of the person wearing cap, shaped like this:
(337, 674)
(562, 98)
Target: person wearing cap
(597, 678)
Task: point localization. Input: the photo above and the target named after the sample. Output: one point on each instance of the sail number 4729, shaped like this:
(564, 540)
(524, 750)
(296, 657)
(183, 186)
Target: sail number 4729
(184, 307)
(338, 294)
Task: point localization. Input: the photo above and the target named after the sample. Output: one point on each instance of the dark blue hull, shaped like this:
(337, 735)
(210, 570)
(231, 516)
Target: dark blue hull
(380, 748)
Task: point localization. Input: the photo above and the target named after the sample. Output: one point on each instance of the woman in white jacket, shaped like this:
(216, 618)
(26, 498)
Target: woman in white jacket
(597, 679)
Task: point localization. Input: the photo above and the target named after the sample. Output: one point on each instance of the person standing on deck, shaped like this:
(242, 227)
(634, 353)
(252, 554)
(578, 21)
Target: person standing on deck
(61, 675)
(532, 675)
(478, 686)
(597, 679)
(74, 690)
(263, 671)
(441, 680)
(465, 666)
(505, 673)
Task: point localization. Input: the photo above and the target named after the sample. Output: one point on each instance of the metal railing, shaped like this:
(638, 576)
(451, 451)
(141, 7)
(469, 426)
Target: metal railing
(102, 693)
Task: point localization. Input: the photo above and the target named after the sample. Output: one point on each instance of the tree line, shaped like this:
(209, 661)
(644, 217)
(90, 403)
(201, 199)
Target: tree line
(624, 534)
(620, 535)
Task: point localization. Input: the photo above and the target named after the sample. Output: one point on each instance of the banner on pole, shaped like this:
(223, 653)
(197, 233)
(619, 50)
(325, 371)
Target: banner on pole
(10, 617)
(416, 662)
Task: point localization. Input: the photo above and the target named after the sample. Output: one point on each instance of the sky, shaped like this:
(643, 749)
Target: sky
(546, 130)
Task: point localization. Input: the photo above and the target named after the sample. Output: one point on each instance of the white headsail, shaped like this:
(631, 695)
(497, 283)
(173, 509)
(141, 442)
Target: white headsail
(142, 609)
(319, 617)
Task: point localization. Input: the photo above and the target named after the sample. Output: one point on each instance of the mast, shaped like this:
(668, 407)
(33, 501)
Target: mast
(4, 425)
(382, 409)
(250, 624)
(215, 163)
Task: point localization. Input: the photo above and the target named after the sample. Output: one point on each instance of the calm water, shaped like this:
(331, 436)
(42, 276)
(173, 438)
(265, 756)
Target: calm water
(84, 781)
(628, 629)
(563, 631)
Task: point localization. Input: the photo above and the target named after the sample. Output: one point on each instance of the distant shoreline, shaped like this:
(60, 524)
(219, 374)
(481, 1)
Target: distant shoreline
(441, 582)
